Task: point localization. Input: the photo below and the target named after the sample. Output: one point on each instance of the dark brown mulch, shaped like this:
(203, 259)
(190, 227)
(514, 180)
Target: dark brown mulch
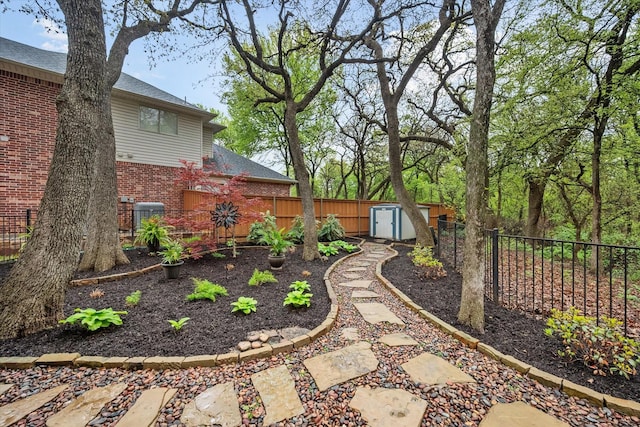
(511, 332)
(213, 329)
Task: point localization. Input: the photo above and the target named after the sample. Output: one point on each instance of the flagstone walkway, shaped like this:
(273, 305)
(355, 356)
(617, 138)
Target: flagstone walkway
(380, 365)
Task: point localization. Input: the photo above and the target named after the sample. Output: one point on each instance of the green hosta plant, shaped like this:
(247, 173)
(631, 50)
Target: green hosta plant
(347, 247)
(300, 285)
(327, 250)
(178, 324)
(205, 289)
(296, 232)
(245, 305)
(261, 277)
(331, 229)
(602, 347)
(429, 267)
(298, 299)
(133, 299)
(93, 319)
(258, 229)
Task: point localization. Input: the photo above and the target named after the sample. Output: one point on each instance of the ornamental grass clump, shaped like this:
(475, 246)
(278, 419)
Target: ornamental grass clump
(602, 347)
(428, 266)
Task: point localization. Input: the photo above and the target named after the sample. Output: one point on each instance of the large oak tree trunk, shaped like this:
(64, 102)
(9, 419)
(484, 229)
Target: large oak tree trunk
(534, 210)
(310, 248)
(33, 293)
(102, 249)
(472, 300)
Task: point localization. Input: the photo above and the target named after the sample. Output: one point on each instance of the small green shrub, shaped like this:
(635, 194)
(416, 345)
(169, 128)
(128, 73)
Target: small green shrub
(217, 254)
(327, 250)
(133, 299)
(298, 299)
(601, 347)
(300, 285)
(347, 247)
(258, 229)
(204, 289)
(178, 324)
(296, 232)
(93, 319)
(429, 267)
(331, 229)
(261, 277)
(245, 305)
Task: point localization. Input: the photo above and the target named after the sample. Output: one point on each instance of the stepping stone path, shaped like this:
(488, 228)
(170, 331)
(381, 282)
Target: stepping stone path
(519, 414)
(341, 365)
(374, 312)
(358, 269)
(433, 370)
(12, 412)
(363, 263)
(385, 407)
(350, 334)
(83, 409)
(352, 276)
(364, 294)
(356, 284)
(396, 340)
(147, 407)
(217, 405)
(279, 395)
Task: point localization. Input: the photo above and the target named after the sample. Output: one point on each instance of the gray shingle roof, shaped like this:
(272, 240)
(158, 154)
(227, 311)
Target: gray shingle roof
(56, 62)
(229, 163)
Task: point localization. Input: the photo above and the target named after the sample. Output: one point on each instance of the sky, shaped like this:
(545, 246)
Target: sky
(182, 78)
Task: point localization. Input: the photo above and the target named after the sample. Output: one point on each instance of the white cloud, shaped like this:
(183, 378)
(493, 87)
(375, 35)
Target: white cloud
(56, 38)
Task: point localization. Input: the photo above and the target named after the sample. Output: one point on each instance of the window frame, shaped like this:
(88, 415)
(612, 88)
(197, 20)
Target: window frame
(152, 119)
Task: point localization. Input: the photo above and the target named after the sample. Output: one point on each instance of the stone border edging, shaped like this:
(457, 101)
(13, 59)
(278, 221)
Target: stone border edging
(179, 362)
(629, 407)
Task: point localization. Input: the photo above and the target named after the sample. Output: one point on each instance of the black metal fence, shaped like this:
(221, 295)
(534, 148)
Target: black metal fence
(538, 274)
(14, 232)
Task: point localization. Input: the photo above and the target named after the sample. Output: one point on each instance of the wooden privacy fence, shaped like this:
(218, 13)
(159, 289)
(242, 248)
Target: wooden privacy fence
(353, 214)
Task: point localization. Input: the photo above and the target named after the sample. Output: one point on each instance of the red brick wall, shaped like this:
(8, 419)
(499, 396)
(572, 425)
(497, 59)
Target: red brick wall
(149, 183)
(28, 117)
(267, 189)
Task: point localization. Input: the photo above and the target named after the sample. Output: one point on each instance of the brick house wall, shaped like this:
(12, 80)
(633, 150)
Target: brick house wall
(256, 188)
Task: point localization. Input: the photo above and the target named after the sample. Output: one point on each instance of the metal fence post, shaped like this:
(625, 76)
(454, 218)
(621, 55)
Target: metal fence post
(455, 245)
(494, 263)
(28, 219)
(440, 225)
(133, 225)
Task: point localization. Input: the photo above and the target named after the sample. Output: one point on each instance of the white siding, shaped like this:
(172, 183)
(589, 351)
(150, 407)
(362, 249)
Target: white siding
(207, 142)
(138, 146)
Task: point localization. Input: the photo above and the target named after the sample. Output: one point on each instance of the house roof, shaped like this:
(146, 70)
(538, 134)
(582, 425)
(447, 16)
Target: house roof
(229, 163)
(38, 61)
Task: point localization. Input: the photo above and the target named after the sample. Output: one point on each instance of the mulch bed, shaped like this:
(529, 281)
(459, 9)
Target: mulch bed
(212, 328)
(511, 332)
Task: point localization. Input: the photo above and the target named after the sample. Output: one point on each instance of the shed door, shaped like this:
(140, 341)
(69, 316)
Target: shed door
(385, 222)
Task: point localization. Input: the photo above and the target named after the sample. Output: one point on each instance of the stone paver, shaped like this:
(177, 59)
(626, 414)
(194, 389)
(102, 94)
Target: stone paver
(352, 276)
(364, 294)
(350, 334)
(341, 365)
(217, 405)
(354, 269)
(19, 409)
(278, 392)
(519, 414)
(388, 407)
(83, 409)
(375, 312)
(293, 332)
(356, 284)
(5, 387)
(146, 409)
(396, 340)
(362, 263)
(430, 369)
(376, 255)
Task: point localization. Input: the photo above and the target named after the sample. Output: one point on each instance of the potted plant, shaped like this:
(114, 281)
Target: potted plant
(172, 258)
(278, 243)
(153, 233)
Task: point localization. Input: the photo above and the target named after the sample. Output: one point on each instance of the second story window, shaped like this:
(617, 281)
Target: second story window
(159, 121)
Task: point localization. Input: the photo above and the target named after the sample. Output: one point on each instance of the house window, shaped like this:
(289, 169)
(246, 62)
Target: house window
(159, 121)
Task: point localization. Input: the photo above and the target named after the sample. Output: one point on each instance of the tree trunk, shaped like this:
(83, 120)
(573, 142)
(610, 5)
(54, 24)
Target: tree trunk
(472, 300)
(596, 213)
(33, 293)
(310, 248)
(102, 249)
(534, 211)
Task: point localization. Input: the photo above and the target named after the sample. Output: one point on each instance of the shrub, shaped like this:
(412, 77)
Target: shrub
(178, 324)
(300, 285)
(331, 229)
(93, 319)
(245, 305)
(258, 229)
(601, 347)
(429, 267)
(327, 250)
(296, 232)
(261, 277)
(298, 299)
(133, 299)
(347, 247)
(204, 289)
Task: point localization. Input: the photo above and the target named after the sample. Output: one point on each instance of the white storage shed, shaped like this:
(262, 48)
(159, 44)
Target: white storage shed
(389, 221)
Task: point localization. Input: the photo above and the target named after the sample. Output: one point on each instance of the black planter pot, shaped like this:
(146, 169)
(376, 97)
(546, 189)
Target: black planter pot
(276, 261)
(153, 246)
(172, 271)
